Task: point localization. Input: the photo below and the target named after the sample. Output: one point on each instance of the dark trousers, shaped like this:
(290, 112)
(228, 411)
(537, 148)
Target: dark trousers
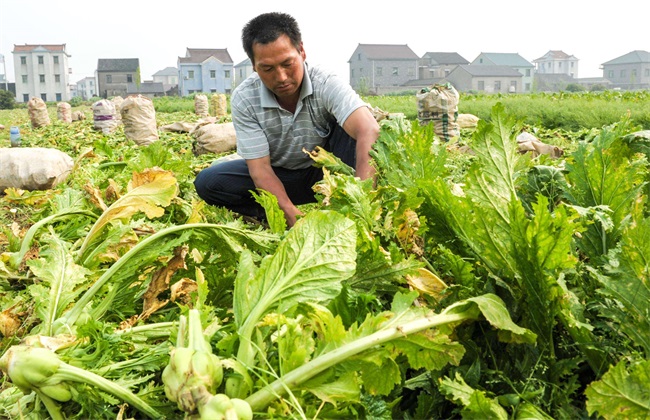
(228, 184)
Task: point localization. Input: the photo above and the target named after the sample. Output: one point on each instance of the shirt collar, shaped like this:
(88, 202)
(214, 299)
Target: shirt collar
(267, 98)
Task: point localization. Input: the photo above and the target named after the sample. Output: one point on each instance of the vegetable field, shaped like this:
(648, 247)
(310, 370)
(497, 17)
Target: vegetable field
(468, 281)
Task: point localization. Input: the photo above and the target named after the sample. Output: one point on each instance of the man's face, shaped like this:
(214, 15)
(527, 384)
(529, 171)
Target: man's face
(280, 67)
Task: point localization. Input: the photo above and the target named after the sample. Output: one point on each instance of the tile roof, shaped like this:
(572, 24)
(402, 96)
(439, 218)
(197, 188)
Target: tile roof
(445, 58)
(507, 59)
(633, 57)
(554, 55)
(199, 55)
(32, 47)
(487, 70)
(167, 71)
(387, 52)
(118, 64)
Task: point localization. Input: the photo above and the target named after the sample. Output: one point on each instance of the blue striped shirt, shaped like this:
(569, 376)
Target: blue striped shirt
(263, 128)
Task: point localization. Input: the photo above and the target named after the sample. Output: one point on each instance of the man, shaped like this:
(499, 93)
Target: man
(281, 109)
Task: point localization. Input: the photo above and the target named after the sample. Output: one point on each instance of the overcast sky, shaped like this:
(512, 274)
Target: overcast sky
(158, 32)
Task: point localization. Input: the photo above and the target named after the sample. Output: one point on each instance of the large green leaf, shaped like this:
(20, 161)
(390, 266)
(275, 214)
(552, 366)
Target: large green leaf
(623, 392)
(604, 173)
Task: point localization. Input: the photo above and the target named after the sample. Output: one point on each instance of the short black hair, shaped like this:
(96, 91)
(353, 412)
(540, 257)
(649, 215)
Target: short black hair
(268, 27)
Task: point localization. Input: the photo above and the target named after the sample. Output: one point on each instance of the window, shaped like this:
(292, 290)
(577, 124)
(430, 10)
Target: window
(44, 97)
(109, 78)
(633, 73)
(226, 74)
(361, 71)
(56, 59)
(190, 74)
(213, 90)
(213, 74)
(481, 85)
(57, 78)
(447, 71)
(513, 83)
(352, 73)
(25, 97)
(379, 71)
(23, 60)
(527, 87)
(129, 78)
(572, 63)
(622, 74)
(610, 74)
(40, 59)
(359, 56)
(527, 72)
(497, 86)
(548, 65)
(410, 72)
(41, 78)
(24, 77)
(395, 71)
(58, 97)
(647, 72)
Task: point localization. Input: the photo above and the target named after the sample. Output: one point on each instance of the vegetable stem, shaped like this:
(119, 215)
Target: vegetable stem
(259, 400)
(68, 372)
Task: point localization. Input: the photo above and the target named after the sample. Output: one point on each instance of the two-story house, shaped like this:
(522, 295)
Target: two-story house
(41, 71)
(557, 62)
(485, 78)
(437, 65)
(512, 60)
(169, 79)
(243, 70)
(379, 68)
(206, 71)
(629, 71)
(114, 74)
(87, 88)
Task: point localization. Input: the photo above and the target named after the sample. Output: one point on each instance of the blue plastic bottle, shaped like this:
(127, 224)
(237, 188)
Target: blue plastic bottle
(14, 136)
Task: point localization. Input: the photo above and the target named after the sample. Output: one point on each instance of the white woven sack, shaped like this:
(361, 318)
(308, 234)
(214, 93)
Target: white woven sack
(139, 118)
(33, 168)
(214, 138)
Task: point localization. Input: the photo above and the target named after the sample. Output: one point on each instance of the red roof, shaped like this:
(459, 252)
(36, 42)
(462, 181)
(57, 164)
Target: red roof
(32, 47)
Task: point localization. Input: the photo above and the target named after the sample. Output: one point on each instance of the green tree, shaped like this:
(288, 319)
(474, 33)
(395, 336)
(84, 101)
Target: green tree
(7, 100)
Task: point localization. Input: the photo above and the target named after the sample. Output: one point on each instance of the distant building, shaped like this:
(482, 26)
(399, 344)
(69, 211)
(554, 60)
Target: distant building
(168, 77)
(41, 71)
(243, 70)
(147, 88)
(114, 74)
(512, 60)
(437, 65)
(378, 68)
(87, 88)
(629, 71)
(557, 62)
(486, 78)
(206, 71)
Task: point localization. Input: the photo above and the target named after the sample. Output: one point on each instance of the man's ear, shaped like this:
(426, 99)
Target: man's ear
(303, 54)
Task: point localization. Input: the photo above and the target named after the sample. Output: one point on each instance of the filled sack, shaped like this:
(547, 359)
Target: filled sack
(104, 118)
(438, 104)
(139, 119)
(33, 168)
(38, 114)
(214, 138)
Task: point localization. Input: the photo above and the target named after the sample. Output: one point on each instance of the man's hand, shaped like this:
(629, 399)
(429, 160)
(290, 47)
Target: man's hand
(264, 178)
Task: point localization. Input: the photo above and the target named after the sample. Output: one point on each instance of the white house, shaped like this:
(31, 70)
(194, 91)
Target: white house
(41, 71)
(87, 88)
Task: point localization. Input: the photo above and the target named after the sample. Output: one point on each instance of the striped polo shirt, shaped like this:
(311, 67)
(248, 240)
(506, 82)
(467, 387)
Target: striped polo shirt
(263, 128)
